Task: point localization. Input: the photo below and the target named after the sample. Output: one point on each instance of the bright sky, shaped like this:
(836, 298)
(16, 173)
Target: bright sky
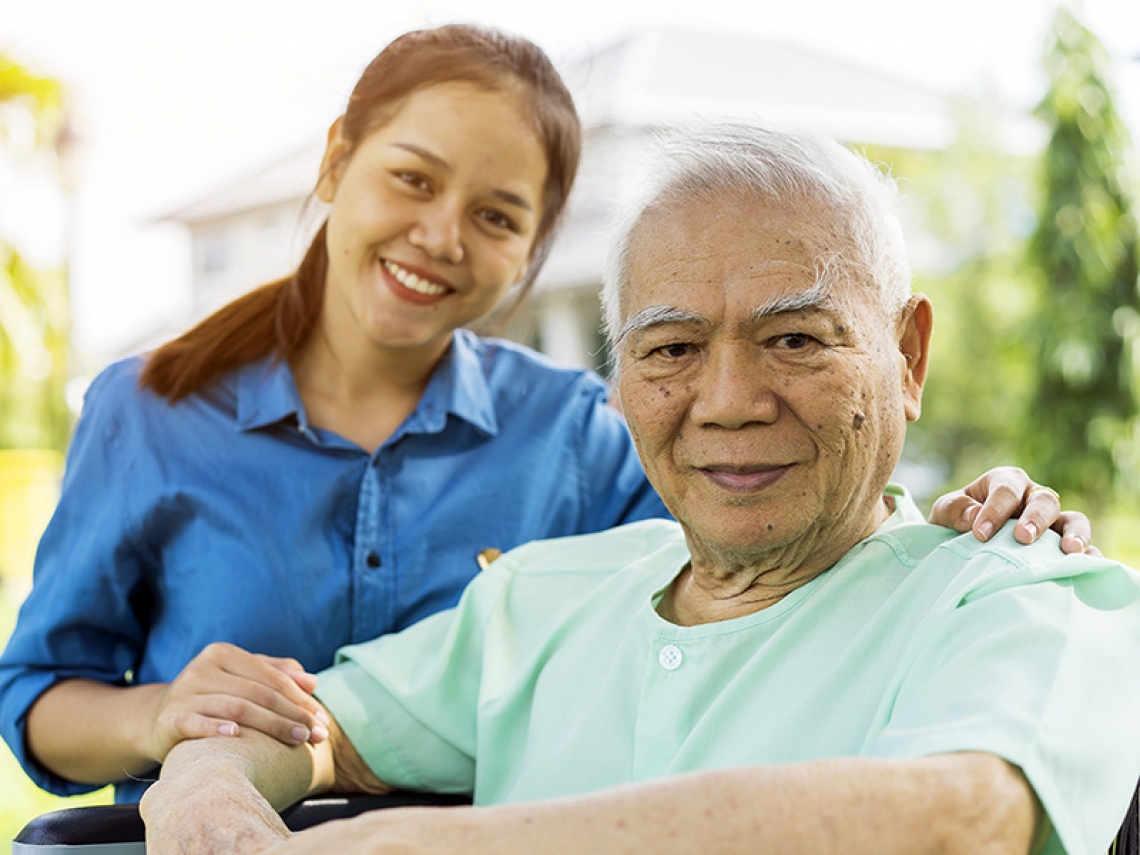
(172, 96)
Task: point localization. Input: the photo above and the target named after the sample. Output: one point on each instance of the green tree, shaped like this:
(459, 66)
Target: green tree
(1083, 435)
(34, 304)
(968, 209)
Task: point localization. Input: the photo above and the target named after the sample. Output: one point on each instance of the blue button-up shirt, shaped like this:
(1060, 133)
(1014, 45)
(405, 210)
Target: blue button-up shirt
(229, 517)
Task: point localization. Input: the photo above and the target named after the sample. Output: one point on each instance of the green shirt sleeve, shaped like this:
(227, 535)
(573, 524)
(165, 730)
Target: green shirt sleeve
(1010, 669)
(408, 701)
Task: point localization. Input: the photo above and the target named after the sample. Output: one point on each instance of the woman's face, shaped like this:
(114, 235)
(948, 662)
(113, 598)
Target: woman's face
(432, 218)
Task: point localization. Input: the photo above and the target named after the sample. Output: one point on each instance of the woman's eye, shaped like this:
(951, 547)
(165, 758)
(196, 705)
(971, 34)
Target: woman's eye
(413, 179)
(497, 219)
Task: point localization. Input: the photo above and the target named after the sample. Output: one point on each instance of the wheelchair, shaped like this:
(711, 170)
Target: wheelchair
(118, 829)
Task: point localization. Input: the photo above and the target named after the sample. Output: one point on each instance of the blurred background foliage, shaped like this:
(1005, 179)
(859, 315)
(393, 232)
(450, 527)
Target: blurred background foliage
(1084, 252)
(1030, 260)
(34, 306)
(1033, 270)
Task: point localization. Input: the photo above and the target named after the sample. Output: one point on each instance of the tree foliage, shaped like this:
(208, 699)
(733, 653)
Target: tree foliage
(34, 305)
(968, 212)
(1084, 435)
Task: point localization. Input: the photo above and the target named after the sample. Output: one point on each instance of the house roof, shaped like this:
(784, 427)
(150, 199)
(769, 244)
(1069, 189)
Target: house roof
(287, 178)
(659, 76)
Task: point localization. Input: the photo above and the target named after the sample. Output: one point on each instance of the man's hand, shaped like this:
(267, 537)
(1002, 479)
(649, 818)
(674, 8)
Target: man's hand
(222, 795)
(208, 809)
(985, 504)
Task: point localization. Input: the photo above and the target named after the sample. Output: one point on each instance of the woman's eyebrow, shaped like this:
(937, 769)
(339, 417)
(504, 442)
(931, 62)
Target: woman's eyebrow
(425, 154)
(435, 160)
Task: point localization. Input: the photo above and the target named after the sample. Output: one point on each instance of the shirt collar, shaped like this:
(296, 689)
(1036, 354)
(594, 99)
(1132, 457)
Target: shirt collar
(906, 512)
(266, 394)
(458, 387)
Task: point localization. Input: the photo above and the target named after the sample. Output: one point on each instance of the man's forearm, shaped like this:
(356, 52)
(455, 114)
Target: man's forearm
(222, 794)
(967, 803)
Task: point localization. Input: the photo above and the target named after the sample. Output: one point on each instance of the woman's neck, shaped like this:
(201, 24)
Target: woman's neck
(358, 390)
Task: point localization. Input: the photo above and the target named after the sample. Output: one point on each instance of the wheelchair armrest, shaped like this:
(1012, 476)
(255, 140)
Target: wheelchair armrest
(118, 829)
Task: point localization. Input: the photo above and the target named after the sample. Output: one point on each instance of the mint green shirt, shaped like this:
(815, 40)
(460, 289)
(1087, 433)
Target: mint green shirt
(555, 675)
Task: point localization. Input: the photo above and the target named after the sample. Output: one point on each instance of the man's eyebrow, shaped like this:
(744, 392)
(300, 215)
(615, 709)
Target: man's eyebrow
(814, 297)
(435, 160)
(655, 316)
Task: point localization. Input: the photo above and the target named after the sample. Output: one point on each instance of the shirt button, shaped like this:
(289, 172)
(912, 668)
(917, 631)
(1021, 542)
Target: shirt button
(670, 657)
(373, 560)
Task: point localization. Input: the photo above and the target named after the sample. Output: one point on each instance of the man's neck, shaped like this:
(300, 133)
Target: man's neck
(720, 584)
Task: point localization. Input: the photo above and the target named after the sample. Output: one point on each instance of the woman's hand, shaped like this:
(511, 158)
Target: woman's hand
(984, 505)
(225, 688)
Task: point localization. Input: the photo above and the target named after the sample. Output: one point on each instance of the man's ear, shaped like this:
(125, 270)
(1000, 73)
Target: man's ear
(332, 164)
(916, 322)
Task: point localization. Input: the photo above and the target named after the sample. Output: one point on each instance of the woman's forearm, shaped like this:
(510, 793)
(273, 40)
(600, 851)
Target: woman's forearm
(94, 733)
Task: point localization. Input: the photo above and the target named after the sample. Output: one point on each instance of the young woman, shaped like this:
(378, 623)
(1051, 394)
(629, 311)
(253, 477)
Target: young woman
(324, 459)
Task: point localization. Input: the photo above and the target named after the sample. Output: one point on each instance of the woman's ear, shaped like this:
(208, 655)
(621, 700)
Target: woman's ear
(332, 164)
(915, 326)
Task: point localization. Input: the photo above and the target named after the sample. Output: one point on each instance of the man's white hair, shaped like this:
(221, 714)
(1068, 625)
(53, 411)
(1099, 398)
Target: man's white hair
(733, 162)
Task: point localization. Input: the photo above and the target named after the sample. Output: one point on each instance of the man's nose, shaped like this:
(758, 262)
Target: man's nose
(438, 231)
(733, 389)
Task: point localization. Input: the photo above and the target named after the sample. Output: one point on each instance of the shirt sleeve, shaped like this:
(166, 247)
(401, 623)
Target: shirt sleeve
(80, 618)
(1010, 670)
(614, 488)
(409, 701)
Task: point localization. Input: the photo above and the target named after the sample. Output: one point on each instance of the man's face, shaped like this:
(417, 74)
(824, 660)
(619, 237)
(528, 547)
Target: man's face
(768, 411)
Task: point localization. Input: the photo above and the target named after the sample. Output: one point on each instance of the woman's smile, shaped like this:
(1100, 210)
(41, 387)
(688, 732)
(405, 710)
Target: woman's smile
(414, 287)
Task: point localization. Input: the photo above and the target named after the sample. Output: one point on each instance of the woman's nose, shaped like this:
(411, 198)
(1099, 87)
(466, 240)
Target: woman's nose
(437, 231)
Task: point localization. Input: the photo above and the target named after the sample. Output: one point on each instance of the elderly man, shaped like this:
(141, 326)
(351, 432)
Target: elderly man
(799, 663)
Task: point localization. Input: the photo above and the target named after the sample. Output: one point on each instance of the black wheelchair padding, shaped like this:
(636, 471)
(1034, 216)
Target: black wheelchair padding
(105, 824)
(1128, 838)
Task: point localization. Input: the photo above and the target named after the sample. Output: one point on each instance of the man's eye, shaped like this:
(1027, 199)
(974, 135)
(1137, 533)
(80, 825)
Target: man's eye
(796, 341)
(677, 350)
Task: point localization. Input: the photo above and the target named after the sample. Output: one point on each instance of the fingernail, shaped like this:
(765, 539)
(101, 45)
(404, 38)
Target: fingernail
(322, 717)
(1032, 529)
(320, 734)
(300, 734)
(986, 529)
(227, 729)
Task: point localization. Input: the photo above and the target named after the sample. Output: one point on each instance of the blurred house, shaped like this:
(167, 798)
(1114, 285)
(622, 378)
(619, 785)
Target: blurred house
(254, 228)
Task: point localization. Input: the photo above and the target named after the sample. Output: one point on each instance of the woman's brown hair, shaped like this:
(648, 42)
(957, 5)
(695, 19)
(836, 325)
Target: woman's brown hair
(277, 318)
